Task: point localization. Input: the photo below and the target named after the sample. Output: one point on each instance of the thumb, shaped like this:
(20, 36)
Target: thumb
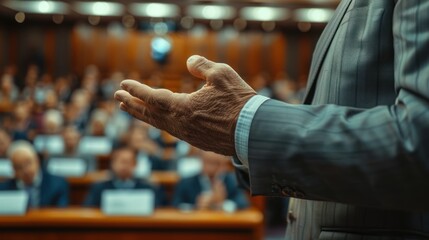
(213, 72)
(199, 66)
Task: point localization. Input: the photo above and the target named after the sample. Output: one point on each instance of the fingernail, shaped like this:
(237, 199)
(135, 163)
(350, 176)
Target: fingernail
(118, 96)
(193, 58)
(124, 84)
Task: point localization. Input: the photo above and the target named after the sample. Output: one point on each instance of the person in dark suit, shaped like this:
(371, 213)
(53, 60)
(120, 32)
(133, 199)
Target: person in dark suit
(213, 188)
(354, 157)
(122, 166)
(44, 189)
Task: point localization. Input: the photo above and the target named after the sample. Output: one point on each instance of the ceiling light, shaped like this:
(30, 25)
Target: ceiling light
(38, 7)
(20, 17)
(99, 8)
(187, 22)
(211, 12)
(240, 24)
(313, 14)
(58, 19)
(156, 10)
(45, 7)
(264, 13)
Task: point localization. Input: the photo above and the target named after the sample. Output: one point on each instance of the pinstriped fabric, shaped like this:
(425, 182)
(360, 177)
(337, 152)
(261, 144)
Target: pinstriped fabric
(358, 157)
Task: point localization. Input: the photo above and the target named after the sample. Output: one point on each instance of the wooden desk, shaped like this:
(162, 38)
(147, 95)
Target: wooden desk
(168, 224)
(79, 186)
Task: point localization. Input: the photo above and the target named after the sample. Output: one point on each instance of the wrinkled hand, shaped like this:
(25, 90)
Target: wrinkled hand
(205, 118)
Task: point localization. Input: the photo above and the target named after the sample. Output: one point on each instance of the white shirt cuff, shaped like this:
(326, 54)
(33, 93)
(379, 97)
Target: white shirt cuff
(242, 129)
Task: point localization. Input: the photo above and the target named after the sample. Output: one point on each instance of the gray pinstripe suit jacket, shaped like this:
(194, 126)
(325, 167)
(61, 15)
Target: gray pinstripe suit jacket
(356, 160)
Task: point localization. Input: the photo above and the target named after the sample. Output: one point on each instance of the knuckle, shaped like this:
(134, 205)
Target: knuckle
(221, 70)
(215, 73)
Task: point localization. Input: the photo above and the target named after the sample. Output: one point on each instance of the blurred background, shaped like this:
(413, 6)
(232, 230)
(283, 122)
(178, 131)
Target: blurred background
(61, 62)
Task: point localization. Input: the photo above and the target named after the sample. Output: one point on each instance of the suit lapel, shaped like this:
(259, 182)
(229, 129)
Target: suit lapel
(322, 47)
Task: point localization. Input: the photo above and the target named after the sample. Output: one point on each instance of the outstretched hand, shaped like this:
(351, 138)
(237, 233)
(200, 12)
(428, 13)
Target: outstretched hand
(205, 118)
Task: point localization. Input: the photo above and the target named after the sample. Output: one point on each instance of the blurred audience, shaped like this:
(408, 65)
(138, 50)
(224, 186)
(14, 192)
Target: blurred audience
(286, 89)
(109, 86)
(70, 109)
(214, 188)
(71, 138)
(22, 125)
(5, 141)
(123, 164)
(97, 123)
(31, 79)
(118, 121)
(63, 88)
(8, 91)
(79, 109)
(260, 83)
(44, 189)
(52, 122)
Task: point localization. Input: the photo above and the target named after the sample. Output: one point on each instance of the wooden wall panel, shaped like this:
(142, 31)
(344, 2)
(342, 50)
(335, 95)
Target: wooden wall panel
(305, 52)
(13, 47)
(249, 53)
(233, 52)
(254, 58)
(49, 50)
(278, 49)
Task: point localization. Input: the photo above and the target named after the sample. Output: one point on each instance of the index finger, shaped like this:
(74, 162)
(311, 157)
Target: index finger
(161, 98)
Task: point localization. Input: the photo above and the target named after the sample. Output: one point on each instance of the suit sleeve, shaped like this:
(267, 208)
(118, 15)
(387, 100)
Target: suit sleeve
(160, 199)
(93, 199)
(63, 199)
(373, 157)
(179, 194)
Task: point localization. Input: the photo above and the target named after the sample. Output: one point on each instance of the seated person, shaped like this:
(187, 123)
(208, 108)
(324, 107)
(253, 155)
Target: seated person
(44, 189)
(71, 137)
(5, 140)
(213, 188)
(122, 165)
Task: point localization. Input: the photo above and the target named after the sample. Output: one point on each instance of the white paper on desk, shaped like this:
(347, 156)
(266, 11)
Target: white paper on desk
(67, 167)
(89, 145)
(13, 202)
(139, 202)
(53, 144)
(189, 166)
(6, 169)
